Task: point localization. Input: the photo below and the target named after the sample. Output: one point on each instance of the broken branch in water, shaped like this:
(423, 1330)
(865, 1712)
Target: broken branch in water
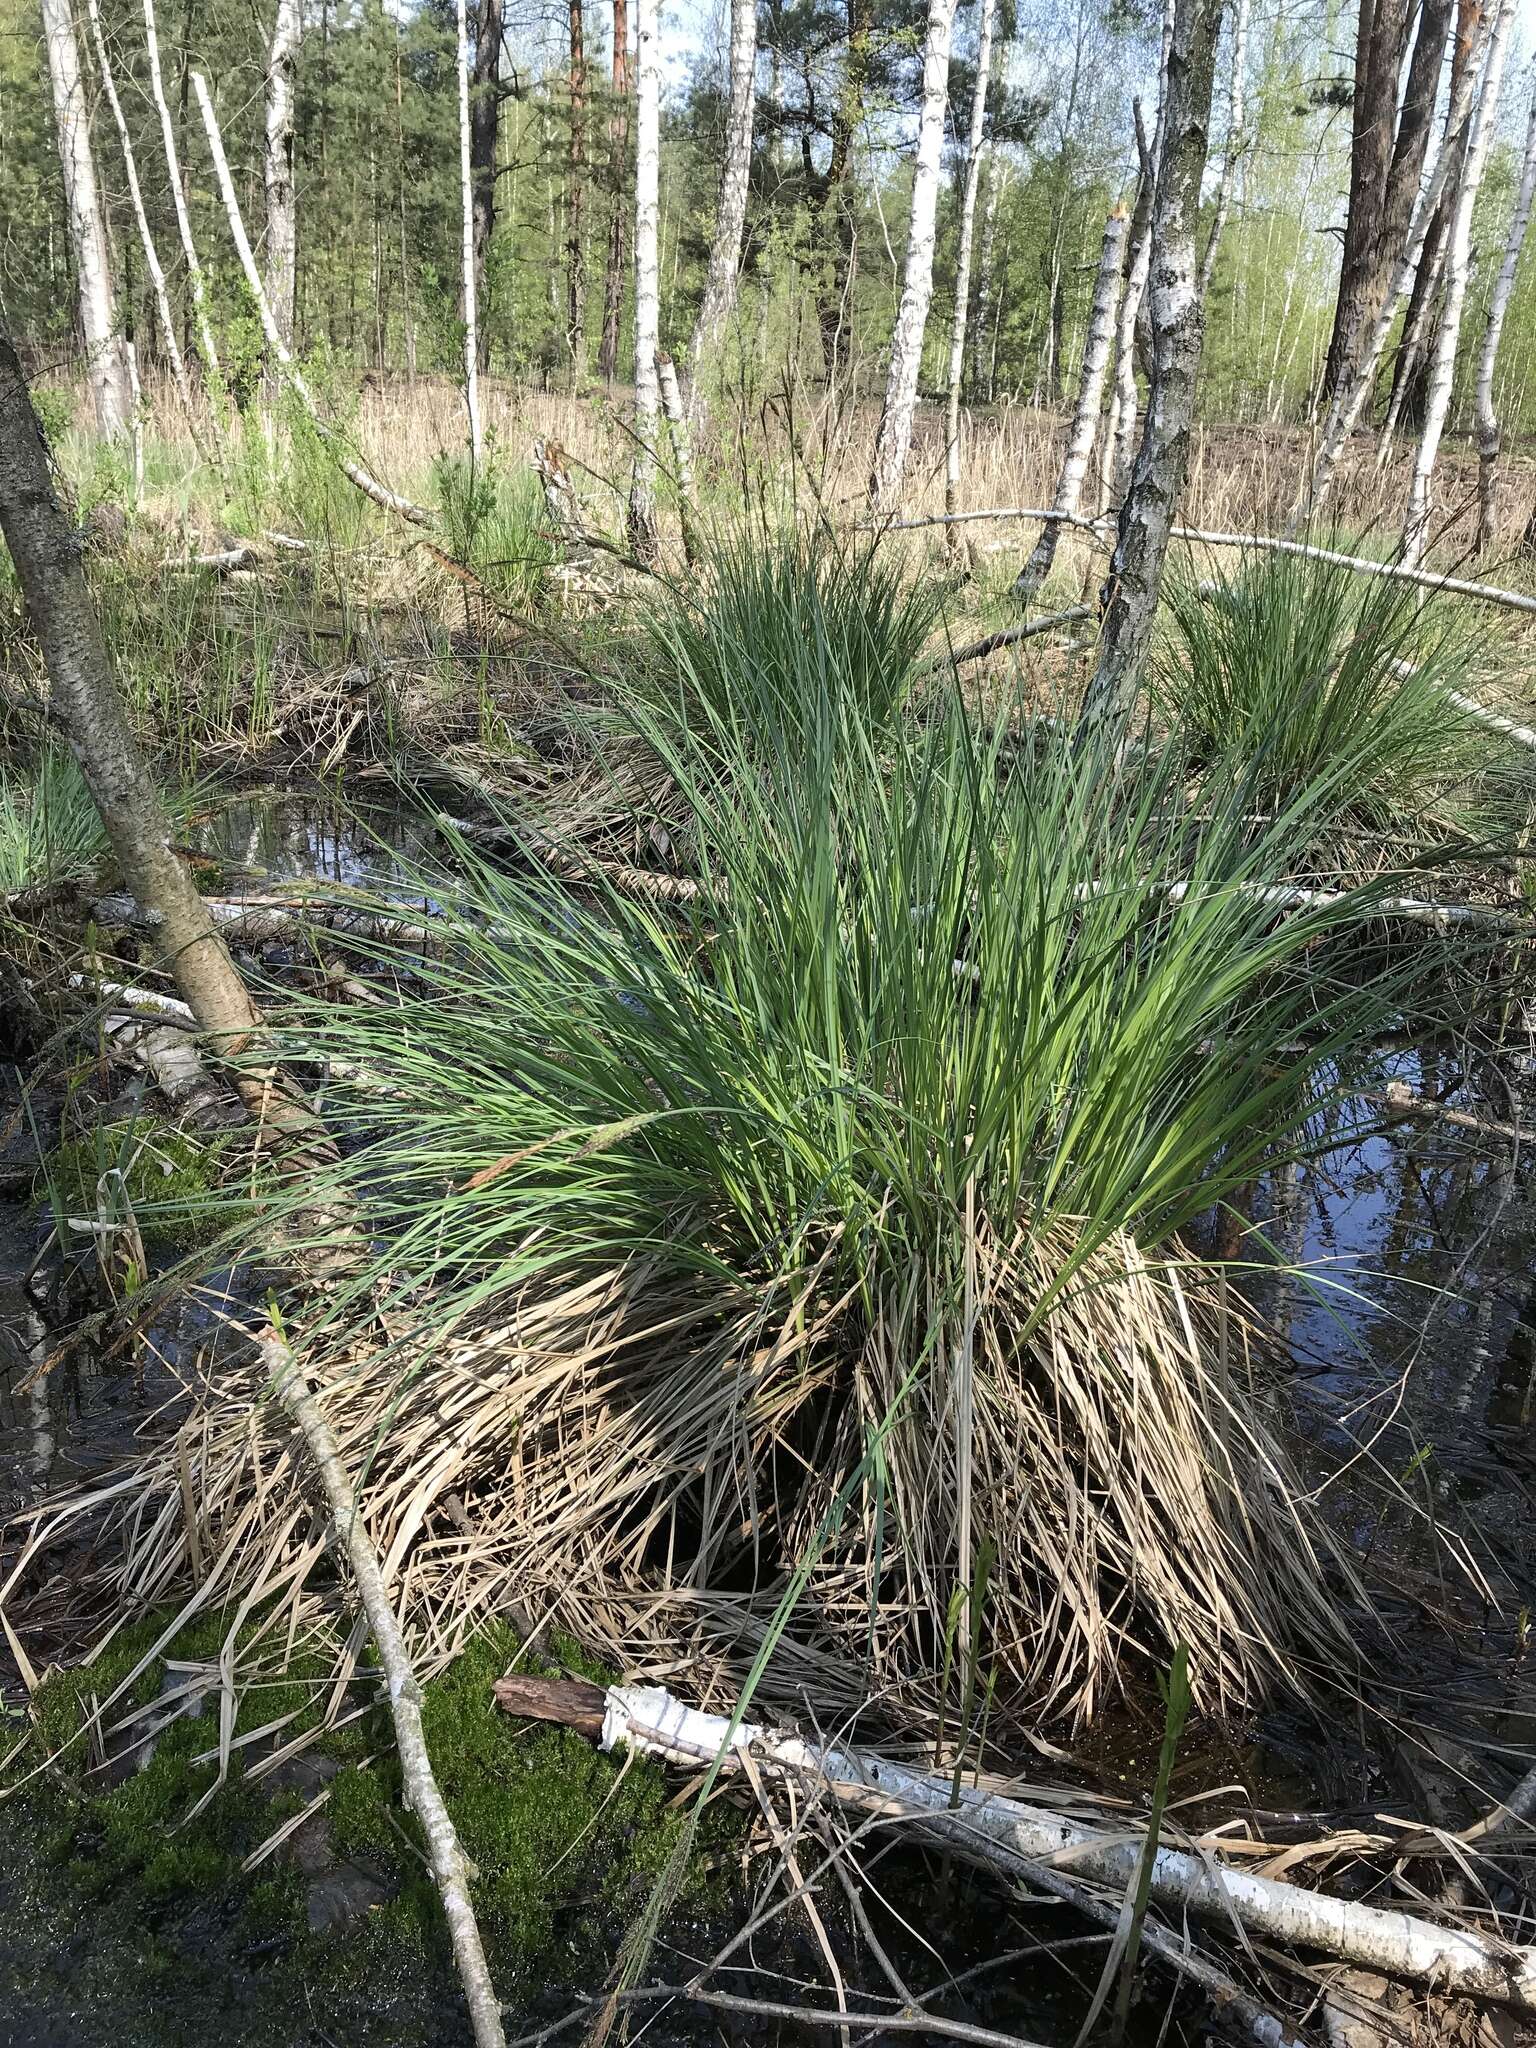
(449, 1865)
(1005, 1832)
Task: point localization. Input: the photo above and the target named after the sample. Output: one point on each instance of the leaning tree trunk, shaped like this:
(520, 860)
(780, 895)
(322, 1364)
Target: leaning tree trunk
(975, 145)
(895, 435)
(141, 218)
(720, 287)
(642, 491)
(1232, 154)
(106, 352)
(1458, 258)
(1085, 418)
(484, 130)
(195, 281)
(1136, 570)
(467, 216)
(618, 175)
(84, 698)
(277, 168)
(1488, 436)
(576, 208)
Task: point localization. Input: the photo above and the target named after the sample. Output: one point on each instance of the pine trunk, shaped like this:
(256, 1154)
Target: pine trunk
(106, 353)
(1136, 570)
(618, 174)
(721, 285)
(894, 439)
(484, 134)
(576, 211)
(1085, 417)
(1488, 436)
(642, 492)
(1458, 258)
(277, 168)
(470, 268)
(975, 146)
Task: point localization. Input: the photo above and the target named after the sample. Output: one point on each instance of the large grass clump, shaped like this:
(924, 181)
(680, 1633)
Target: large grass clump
(50, 830)
(828, 1217)
(1304, 672)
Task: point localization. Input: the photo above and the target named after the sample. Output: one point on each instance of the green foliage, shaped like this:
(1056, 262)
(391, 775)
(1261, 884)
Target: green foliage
(169, 1179)
(50, 830)
(495, 524)
(1297, 672)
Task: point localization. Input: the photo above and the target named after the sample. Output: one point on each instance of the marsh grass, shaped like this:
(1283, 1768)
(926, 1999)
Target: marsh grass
(49, 827)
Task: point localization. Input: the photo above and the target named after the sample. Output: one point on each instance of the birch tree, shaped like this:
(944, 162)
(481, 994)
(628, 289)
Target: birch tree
(141, 219)
(196, 284)
(1120, 436)
(975, 146)
(997, 178)
(722, 283)
(1232, 152)
(642, 491)
(277, 167)
(1442, 364)
(1136, 568)
(576, 206)
(467, 211)
(106, 352)
(618, 171)
(894, 438)
(1085, 417)
(1488, 434)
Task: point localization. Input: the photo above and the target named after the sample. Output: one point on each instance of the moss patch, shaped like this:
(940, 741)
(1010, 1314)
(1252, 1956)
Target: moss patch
(170, 1180)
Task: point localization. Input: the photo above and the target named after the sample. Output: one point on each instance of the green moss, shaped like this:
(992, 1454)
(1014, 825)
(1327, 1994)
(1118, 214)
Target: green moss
(169, 1179)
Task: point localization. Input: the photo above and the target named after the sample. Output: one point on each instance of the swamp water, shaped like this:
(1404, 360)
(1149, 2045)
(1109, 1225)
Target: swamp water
(1413, 1383)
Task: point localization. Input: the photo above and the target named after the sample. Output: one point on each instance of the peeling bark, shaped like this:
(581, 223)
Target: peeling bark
(894, 439)
(1488, 434)
(106, 352)
(1136, 568)
(721, 285)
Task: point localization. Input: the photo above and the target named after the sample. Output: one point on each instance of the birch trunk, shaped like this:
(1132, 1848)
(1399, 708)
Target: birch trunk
(146, 239)
(997, 177)
(1136, 568)
(975, 146)
(894, 439)
(1442, 368)
(721, 286)
(1488, 437)
(1351, 395)
(1085, 419)
(355, 472)
(1127, 401)
(642, 491)
(618, 171)
(467, 212)
(195, 281)
(277, 167)
(106, 353)
(682, 454)
(85, 700)
(1232, 154)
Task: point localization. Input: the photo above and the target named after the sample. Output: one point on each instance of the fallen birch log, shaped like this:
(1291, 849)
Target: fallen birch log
(449, 1865)
(269, 920)
(993, 1829)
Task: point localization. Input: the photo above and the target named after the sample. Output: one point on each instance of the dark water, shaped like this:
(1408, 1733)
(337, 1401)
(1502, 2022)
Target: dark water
(1412, 1345)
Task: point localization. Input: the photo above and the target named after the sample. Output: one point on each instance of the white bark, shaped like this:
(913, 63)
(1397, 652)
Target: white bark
(1146, 518)
(277, 167)
(997, 178)
(995, 1829)
(1232, 153)
(1442, 367)
(445, 1855)
(682, 453)
(975, 146)
(1085, 419)
(354, 472)
(195, 280)
(1488, 438)
(642, 490)
(1122, 432)
(467, 207)
(720, 288)
(1351, 395)
(106, 354)
(136, 199)
(894, 439)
